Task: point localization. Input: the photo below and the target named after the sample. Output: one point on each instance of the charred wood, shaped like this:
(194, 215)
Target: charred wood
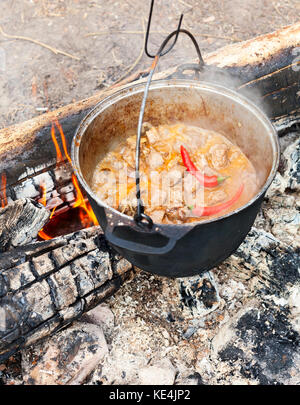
(47, 285)
(20, 223)
(56, 181)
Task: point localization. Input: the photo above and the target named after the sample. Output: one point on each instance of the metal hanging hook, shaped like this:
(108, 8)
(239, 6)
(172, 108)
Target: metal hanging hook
(167, 39)
(148, 31)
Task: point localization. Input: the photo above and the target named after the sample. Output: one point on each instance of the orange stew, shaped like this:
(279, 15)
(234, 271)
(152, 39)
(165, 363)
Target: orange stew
(171, 190)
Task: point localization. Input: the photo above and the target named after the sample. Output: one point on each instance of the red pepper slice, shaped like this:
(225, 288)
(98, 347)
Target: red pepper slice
(215, 209)
(206, 181)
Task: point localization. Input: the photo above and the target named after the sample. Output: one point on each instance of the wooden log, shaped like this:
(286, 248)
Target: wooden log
(20, 223)
(267, 67)
(47, 285)
(56, 181)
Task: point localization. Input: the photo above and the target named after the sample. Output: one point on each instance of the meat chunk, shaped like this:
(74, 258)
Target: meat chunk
(177, 214)
(219, 155)
(202, 164)
(127, 204)
(175, 175)
(131, 142)
(216, 197)
(157, 216)
(155, 160)
(152, 135)
(116, 163)
(129, 157)
(146, 127)
(102, 177)
(199, 137)
(176, 196)
(158, 197)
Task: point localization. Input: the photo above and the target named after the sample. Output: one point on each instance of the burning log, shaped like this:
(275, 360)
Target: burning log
(47, 285)
(20, 223)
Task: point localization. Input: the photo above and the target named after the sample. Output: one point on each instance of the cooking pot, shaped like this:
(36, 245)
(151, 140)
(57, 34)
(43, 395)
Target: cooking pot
(192, 248)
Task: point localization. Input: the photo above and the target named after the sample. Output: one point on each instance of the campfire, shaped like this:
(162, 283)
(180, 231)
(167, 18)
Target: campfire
(65, 218)
(55, 262)
(70, 210)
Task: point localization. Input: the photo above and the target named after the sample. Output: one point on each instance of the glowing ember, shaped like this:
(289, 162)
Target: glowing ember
(43, 200)
(42, 234)
(3, 198)
(82, 215)
(86, 215)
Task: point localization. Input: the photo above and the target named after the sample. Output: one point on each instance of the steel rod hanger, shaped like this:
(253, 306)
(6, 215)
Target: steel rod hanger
(140, 217)
(148, 31)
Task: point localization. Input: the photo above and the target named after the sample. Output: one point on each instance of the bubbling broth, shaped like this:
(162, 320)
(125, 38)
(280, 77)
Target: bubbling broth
(187, 174)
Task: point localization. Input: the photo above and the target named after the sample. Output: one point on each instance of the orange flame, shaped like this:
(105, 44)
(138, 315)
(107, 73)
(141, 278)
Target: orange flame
(59, 157)
(86, 214)
(43, 200)
(43, 235)
(3, 198)
(63, 139)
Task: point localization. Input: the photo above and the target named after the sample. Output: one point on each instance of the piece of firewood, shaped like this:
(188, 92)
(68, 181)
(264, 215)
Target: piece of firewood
(47, 285)
(20, 222)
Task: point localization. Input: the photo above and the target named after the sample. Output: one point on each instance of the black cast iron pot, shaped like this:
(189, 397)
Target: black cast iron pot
(188, 249)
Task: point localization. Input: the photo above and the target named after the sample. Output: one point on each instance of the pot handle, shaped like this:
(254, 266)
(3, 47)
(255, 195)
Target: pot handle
(125, 237)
